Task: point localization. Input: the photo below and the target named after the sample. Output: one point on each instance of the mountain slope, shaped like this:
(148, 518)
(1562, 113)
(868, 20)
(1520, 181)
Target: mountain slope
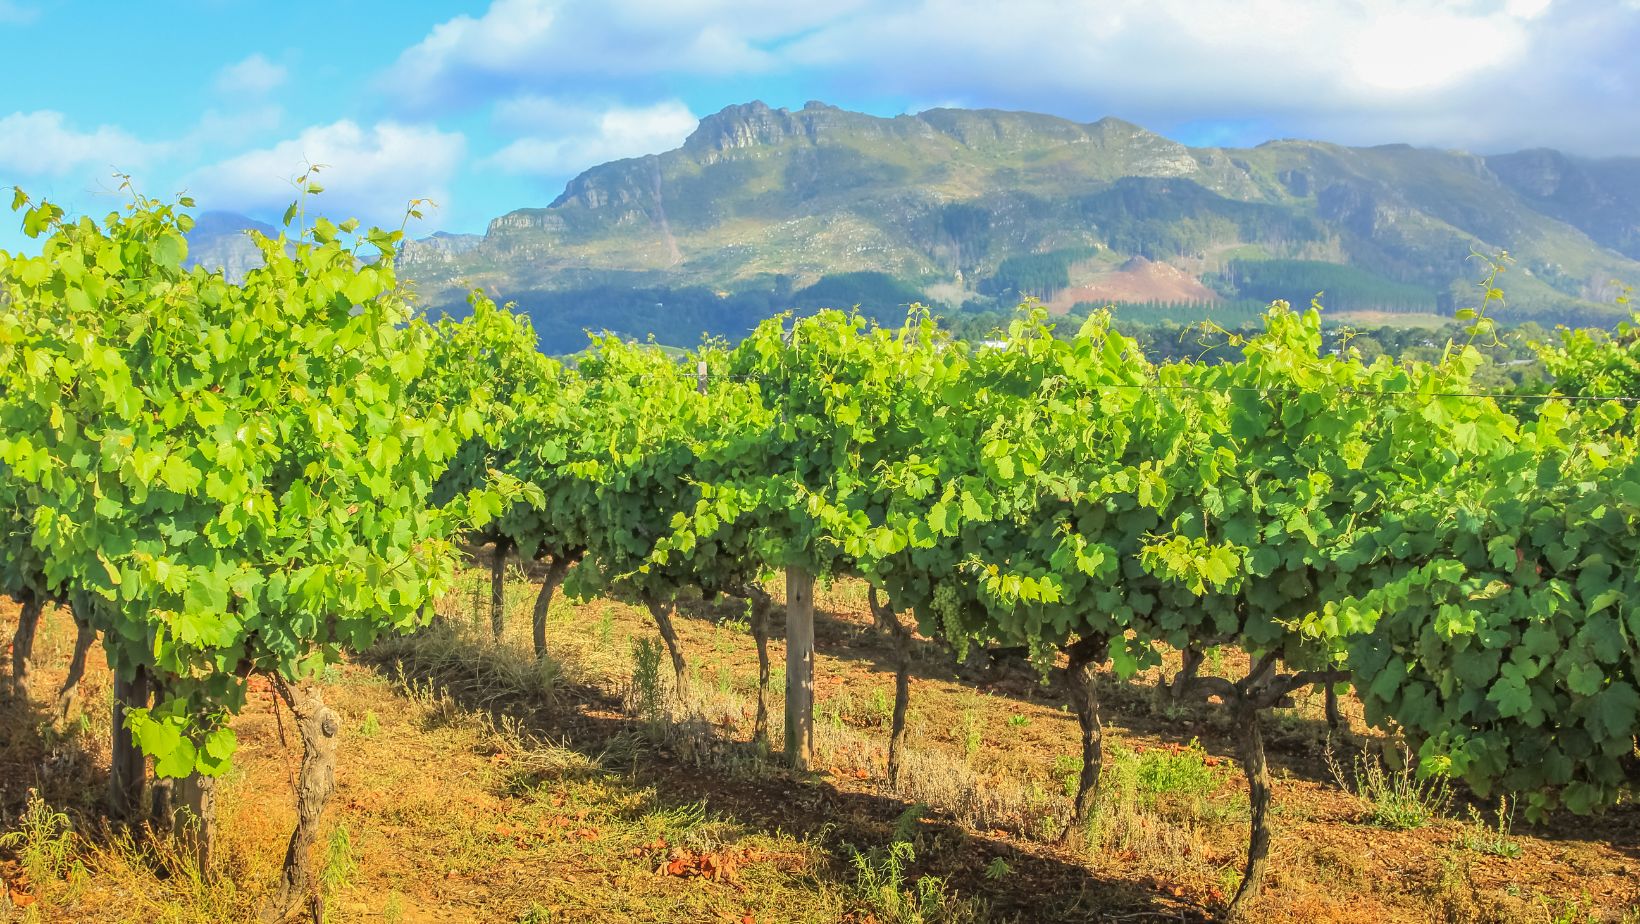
(1599, 197)
(966, 206)
(218, 239)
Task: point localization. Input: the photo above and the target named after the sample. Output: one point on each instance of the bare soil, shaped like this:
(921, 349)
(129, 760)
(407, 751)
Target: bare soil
(1137, 280)
(476, 785)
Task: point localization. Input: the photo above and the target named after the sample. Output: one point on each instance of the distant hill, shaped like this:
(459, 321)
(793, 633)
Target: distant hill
(218, 239)
(1599, 197)
(763, 209)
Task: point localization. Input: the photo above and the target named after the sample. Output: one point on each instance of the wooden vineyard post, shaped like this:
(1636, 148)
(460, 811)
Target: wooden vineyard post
(498, 588)
(799, 668)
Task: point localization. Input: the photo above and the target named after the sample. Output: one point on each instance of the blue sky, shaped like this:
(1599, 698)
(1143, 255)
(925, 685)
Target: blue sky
(486, 107)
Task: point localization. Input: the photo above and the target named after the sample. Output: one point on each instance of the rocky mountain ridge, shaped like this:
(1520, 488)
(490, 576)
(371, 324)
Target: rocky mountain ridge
(974, 205)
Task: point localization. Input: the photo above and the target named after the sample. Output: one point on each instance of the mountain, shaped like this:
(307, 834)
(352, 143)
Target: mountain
(762, 209)
(218, 239)
(1599, 197)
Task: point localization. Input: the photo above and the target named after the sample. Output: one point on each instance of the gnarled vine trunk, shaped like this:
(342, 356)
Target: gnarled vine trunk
(1250, 748)
(761, 604)
(22, 643)
(1085, 656)
(889, 623)
(557, 567)
(1191, 661)
(1335, 718)
(902, 704)
(1264, 687)
(68, 695)
(319, 728)
(159, 805)
(662, 613)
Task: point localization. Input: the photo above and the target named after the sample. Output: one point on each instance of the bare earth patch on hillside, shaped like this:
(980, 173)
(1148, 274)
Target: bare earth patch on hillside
(477, 785)
(1137, 280)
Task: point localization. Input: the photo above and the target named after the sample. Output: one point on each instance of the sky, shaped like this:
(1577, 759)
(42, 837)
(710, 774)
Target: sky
(488, 107)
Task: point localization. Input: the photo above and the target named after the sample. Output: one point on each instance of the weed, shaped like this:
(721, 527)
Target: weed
(1173, 782)
(882, 885)
(1213, 662)
(879, 881)
(1068, 770)
(740, 623)
(451, 662)
(1043, 808)
(393, 911)
(1018, 720)
(340, 866)
(676, 823)
(1395, 798)
(830, 711)
(1453, 898)
(875, 710)
(645, 697)
(1492, 837)
(1569, 911)
(1339, 866)
(905, 825)
(942, 778)
(881, 707)
(535, 914)
(43, 841)
(972, 730)
(606, 625)
(998, 869)
(372, 725)
(1154, 803)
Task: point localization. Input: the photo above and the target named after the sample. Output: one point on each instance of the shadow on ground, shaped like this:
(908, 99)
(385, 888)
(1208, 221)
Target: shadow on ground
(36, 756)
(1296, 744)
(1043, 884)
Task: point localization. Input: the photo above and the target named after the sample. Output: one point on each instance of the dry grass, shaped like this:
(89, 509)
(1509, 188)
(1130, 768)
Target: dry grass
(479, 784)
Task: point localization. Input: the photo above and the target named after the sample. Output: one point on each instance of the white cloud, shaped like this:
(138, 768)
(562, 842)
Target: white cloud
(547, 45)
(1527, 9)
(1295, 54)
(45, 144)
(1471, 70)
(253, 76)
(42, 144)
(370, 173)
(1409, 51)
(1427, 71)
(562, 138)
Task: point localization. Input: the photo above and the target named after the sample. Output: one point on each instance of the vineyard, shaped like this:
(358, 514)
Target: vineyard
(250, 492)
